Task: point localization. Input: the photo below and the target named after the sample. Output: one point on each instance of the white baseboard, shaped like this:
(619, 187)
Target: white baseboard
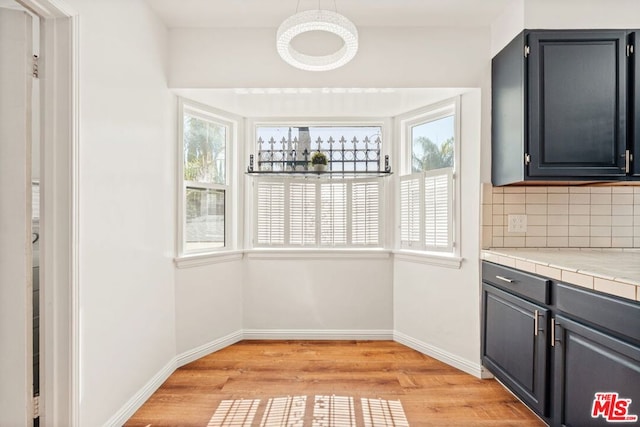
(203, 350)
(129, 408)
(154, 383)
(318, 334)
(464, 365)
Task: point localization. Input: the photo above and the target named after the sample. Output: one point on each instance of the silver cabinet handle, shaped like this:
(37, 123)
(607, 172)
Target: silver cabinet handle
(504, 279)
(627, 161)
(535, 322)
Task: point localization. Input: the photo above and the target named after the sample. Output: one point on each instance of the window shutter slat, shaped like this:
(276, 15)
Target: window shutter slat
(333, 214)
(410, 210)
(365, 213)
(437, 209)
(270, 213)
(302, 213)
(426, 209)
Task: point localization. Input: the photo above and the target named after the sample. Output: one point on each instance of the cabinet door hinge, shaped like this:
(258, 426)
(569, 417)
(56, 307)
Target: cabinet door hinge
(36, 407)
(527, 159)
(629, 49)
(34, 68)
(527, 50)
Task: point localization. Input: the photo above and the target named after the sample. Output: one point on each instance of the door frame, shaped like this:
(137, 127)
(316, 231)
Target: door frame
(59, 223)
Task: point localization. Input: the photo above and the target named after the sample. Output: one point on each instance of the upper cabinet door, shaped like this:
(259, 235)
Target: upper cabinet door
(634, 81)
(577, 92)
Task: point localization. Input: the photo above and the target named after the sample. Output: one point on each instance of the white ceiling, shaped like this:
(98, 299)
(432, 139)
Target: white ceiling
(366, 13)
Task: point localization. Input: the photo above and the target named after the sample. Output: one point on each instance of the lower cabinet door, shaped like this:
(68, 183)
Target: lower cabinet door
(597, 378)
(514, 345)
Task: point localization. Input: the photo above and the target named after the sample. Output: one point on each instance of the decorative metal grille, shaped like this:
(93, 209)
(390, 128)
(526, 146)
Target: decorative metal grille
(293, 154)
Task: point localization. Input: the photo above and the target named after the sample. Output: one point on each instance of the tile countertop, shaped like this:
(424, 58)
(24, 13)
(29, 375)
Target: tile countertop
(612, 271)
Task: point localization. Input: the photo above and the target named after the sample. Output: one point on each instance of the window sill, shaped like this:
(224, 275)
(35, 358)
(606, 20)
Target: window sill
(315, 253)
(430, 258)
(320, 174)
(196, 260)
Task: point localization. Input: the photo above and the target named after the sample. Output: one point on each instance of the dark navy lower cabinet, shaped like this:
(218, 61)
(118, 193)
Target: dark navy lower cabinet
(573, 359)
(597, 377)
(514, 345)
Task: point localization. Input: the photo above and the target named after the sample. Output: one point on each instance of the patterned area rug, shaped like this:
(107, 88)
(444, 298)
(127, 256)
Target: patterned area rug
(325, 411)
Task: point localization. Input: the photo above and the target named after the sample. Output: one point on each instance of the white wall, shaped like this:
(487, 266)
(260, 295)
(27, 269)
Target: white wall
(388, 57)
(437, 307)
(340, 293)
(127, 204)
(565, 14)
(578, 14)
(208, 304)
(506, 26)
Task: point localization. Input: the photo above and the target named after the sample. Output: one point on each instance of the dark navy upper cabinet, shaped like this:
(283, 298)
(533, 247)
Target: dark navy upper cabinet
(561, 101)
(634, 81)
(577, 103)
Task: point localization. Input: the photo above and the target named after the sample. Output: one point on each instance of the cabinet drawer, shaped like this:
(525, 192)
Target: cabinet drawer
(527, 285)
(616, 315)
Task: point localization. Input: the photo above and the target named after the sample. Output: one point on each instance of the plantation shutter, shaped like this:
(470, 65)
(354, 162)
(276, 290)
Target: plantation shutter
(410, 196)
(365, 213)
(438, 201)
(302, 213)
(426, 210)
(270, 202)
(333, 214)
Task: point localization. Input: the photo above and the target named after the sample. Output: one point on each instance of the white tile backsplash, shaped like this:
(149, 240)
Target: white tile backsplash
(619, 190)
(558, 199)
(622, 199)
(563, 217)
(559, 189)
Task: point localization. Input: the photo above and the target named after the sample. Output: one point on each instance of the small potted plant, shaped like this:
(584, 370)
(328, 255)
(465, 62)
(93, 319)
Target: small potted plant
(319, 161)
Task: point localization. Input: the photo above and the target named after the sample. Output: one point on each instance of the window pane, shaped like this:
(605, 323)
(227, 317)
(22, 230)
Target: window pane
(204, 228)
(204, 150)
(432, 145)
(349, 148)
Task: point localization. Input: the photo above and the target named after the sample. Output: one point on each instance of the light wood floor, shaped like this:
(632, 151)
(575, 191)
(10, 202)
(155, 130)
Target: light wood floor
(431, 393)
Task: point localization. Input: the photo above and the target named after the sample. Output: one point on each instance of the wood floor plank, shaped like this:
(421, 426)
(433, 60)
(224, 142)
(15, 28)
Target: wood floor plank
(431, 393)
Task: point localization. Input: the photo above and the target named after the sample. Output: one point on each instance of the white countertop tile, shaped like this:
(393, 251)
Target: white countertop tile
(619, 267)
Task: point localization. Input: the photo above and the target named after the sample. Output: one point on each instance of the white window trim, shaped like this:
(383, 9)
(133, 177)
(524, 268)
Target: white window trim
(251, 125)
(403, 124)
(317, 253)
(232, 124)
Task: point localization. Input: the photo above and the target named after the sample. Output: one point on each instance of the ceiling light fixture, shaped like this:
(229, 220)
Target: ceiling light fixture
(317, 20)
